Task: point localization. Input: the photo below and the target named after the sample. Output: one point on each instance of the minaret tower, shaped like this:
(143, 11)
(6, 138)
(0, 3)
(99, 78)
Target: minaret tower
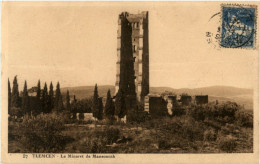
(133, 55)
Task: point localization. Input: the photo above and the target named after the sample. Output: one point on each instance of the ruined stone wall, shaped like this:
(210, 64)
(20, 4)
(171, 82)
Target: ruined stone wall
(201, 99)
(157, 107)
(185, 100)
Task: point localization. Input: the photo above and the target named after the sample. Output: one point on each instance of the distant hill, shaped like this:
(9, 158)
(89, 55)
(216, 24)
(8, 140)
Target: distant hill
(221, 93)
(88, 91)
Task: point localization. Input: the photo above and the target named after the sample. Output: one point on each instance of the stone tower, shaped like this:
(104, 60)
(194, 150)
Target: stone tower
(133, 55)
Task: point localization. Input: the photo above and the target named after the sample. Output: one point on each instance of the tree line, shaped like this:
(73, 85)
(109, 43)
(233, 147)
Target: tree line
(116, 108)
(48, 101)
(45, 101)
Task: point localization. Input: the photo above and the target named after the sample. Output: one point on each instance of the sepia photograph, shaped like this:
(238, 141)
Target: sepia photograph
(112, 79)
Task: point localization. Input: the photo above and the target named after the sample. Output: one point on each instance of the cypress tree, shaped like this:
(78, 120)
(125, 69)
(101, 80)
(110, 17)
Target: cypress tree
(38, 99)
(120, 106)
(58, 103)
(15, 94)
(44, 99)
(109, 107)
(9, 97)
(38, 90)
(68, 107)
(57, 96)
(51, 98)
(100, 109)
(95, 102)
(25, 100)
(74, 107)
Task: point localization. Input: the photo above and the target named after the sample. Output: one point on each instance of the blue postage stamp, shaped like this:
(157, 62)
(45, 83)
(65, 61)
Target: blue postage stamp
(238, 27)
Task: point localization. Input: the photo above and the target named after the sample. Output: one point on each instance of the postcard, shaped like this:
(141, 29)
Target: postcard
(130, 82)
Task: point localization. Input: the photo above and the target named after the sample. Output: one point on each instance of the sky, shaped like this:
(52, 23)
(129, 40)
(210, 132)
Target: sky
(75, 43)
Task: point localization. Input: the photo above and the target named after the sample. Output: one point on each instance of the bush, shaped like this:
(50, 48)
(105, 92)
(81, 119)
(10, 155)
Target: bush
(229, 129)
(81, 116)
(198, 113)
(112, 135)
(136, 116)
(96, 146)
(66, 117)
(110, 120)
(223, 113)
(18, 112)
(164, 144)
(97, 140)
(74, 116)
(212, 123)
(210, 135)
(244, 118)
(227, 144)
(226, 112)
(43, 134)
(178, 110)
(93, 145)
(192, 130)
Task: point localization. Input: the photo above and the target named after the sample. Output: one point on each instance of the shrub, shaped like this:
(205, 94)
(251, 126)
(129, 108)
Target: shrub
(227, 144)
(110, 120)
(185, 127)
(136, 116)
(66, 117)
(226, 112)
(96, 146)
(244, 118)
(192, 130)
(151, 124)
(112, 135)
(164, 144)
(74, 116)
(81, 116)
(212, 123)
(198, 113)
(223, 113)
(93, 145)
(88, 122)
(210, 135)
(18, 112)
(229, 129)
(178, 110)
(97, 140)
(43, 134)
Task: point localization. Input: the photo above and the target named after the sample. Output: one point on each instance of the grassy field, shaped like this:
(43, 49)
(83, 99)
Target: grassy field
(180, 134)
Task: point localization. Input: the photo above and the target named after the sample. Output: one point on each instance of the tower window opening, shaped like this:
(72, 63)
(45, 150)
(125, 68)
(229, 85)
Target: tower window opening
(134, 48)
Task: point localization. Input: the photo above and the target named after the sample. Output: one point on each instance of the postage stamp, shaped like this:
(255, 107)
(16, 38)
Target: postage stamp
(238, 26)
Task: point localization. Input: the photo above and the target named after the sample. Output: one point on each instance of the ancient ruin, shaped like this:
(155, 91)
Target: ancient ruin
(132, 75)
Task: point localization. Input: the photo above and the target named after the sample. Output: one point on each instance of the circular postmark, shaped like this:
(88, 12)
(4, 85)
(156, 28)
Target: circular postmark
(213, 30)
(233, 27)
